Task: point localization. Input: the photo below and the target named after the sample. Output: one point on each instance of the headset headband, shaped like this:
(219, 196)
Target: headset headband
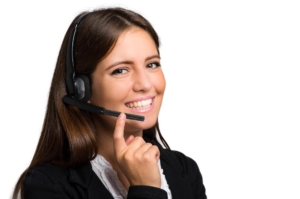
(70, 65)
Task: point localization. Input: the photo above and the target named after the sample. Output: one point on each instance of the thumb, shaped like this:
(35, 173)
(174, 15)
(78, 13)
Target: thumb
(119, 142)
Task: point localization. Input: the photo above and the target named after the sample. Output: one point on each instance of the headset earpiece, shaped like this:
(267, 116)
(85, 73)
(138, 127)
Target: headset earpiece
(82, 87)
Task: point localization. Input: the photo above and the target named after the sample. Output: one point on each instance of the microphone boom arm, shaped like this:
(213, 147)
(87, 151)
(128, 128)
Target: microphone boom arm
(96, 109)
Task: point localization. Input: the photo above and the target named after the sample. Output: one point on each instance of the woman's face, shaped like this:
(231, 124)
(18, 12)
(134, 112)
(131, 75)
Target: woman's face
(130, 80)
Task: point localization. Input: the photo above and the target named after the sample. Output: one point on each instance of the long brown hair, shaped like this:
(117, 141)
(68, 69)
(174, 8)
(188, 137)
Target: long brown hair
(68, 137)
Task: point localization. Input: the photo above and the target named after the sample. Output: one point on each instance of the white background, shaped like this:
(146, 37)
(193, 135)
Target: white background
(232, 96)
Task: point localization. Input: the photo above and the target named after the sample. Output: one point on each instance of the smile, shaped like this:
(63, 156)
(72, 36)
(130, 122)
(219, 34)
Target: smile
(139, 104)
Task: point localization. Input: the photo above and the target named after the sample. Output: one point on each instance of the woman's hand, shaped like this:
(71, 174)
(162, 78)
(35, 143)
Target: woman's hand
(136, 158)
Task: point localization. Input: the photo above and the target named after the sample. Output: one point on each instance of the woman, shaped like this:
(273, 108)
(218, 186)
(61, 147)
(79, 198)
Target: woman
(113, 54)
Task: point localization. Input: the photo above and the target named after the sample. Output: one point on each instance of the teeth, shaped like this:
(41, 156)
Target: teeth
(140, 104)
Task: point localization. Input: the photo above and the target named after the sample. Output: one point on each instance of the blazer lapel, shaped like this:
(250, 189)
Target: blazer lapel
(97, 190)
(87, 184)
(175, 175)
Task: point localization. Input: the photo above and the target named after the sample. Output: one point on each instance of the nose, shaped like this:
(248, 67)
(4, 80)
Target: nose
(142, 81)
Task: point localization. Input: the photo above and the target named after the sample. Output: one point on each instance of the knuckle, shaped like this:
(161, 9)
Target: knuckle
(137, 156)
(139, 139)
(116, 137)
(127, 157)
(155, 148)
(148, 157)
(147, 145)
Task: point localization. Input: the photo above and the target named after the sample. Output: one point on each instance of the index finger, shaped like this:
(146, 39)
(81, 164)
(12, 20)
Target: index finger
(119, 142)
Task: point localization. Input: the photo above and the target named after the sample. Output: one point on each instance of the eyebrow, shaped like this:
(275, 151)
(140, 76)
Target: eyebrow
(130, 62)
(152, 57)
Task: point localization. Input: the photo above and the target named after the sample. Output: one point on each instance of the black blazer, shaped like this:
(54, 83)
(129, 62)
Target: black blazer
(54, 182)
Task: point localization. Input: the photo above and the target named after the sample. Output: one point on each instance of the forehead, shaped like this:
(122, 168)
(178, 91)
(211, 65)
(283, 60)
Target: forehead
(134, 42)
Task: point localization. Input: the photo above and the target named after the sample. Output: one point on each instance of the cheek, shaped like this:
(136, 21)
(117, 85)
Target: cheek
(108, 92)
(160, 83)
(117, 90)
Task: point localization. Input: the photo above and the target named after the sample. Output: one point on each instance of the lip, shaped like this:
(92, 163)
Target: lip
(144, 110)
(140, 99)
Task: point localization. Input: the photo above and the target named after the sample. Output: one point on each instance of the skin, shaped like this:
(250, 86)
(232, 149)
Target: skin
(130, 72)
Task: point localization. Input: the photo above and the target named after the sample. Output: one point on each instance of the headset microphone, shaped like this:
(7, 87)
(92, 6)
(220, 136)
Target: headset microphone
(96, 109)
(78, 87)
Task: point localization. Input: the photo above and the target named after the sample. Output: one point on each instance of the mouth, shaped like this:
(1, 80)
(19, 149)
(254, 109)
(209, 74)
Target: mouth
(141, 104)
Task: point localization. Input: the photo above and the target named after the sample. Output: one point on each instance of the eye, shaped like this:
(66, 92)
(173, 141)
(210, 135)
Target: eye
(153, 65)
(119, 71)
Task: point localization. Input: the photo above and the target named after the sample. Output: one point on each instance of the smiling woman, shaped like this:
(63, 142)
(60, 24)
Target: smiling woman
(81, 154)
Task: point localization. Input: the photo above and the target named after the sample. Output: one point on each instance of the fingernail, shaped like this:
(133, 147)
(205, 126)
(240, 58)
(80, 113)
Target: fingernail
(122, 116)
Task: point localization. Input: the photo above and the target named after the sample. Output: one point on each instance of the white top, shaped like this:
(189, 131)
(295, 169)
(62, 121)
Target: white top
(109, 178)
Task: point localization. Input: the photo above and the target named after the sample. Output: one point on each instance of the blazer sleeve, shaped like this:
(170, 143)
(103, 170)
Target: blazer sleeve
(146, 192)
(38, 185)
(44, 185)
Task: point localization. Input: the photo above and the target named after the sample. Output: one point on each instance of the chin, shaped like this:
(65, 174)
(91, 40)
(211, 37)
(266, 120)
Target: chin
(138, 125)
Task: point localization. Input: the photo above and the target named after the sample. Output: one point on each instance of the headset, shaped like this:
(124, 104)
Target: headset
(79, 87)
